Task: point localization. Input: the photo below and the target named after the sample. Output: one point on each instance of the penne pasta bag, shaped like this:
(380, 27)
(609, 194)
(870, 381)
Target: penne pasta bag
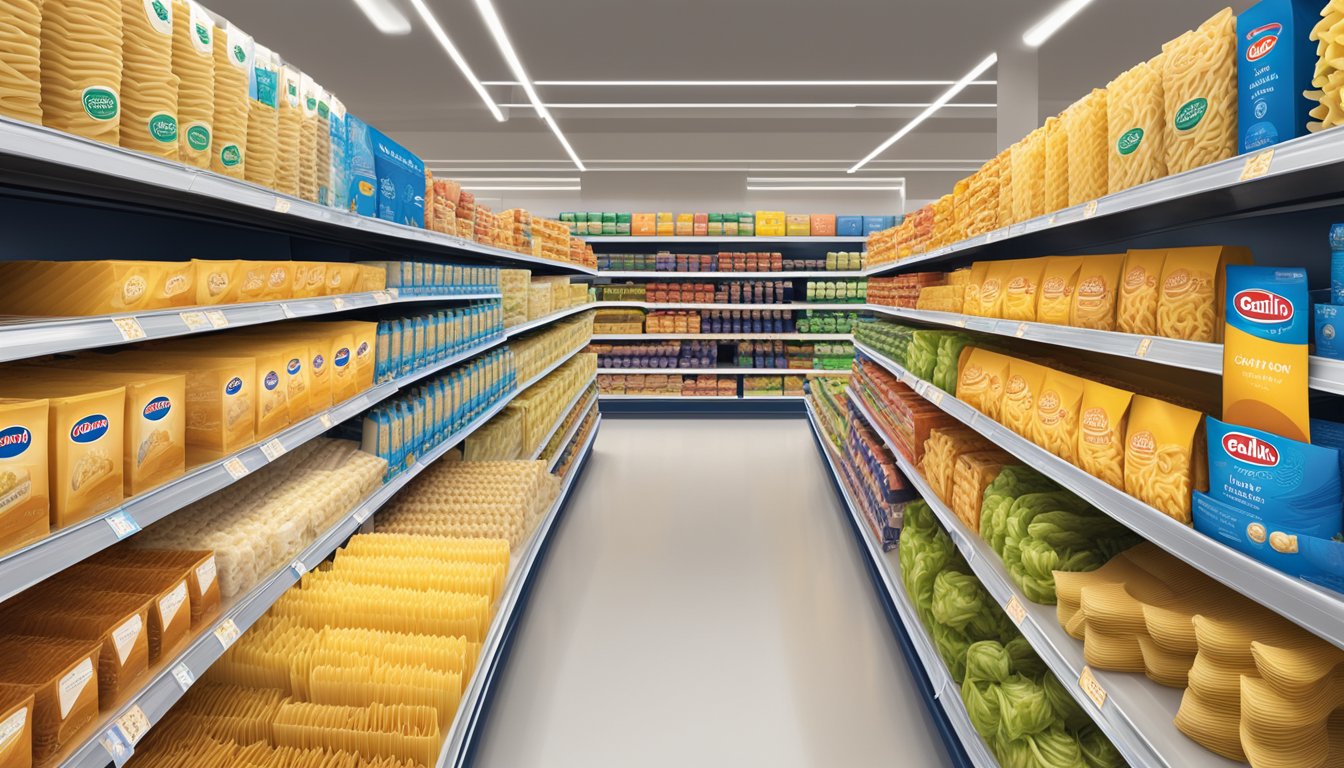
(1136, 127)
(194, 65)
(1055, 426)
(1023, 287)
(1265, 351)
(994, 287)
(1136, 307)
(1095, 294)
(1164, 456)
(149, 87)
(1189, 305)
(1058, 281)
(1103, 415)
(1020, 390)
(1199, 87)
(981, 379)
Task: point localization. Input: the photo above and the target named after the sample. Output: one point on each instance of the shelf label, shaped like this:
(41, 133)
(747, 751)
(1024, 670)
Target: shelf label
(133, 724)
(1021, 330)
(273, 449)
(959, 323)
(117, 745)
(395, 293)
(325, 420)
(1257, 165)
(1091, 687)
(183, 677)
(363, 514)
(122, 524)
(382, 297)
(227, 633)
(1015, 611)
(194, 321)
(339, 303)
(935, 395)
(236, 469)
(289, 313)
(1054, 217)
(217, 319)
(1142, 351)
(129, 328)
(281, 205)
(1016, 230)
(299, 568)
(1090, 209)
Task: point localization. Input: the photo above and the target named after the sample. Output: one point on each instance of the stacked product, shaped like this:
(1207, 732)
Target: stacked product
(530, 298)
(622, 321)
(569, 452)
(838, 291)
(658, 385)
(746, 321)
(562, 437)
(535, 352)
(533, 412)
(930, 355)
(408, 344)
(672, 321)
(761, 223)
(870, 470)
(676, 293)
(817, 321)
(902, 414)
(728, 261)
(828, 401)
(414, 278)
(903, 290)
(476, 499)
(773, 386)
(652, 355)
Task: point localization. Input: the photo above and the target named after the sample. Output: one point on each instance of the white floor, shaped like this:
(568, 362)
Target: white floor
(703, 604)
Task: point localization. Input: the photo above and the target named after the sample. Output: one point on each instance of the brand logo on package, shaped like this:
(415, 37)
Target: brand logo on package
(1261, 306)
(100, 103)
(1263, 41)
(318, 362)
(342, 357)
(239, 54)
(1129, 141)
(163, 128)
(198, 137)
(1191, 113)
(203, 34)
(230, 155)
(1250, 450)
(158, 408)
(294, 367)
(89, 428)
(272, 380)
(14, 441)
(234, 386)
(363, 350)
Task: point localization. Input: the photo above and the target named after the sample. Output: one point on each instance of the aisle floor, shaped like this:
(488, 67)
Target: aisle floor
(703, 604)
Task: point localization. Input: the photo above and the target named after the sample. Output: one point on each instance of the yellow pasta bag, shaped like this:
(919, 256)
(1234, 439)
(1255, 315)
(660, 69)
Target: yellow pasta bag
(1189, 305)
(1136, 307)
(981, 378)
(1135, 117)
(291, 127)
(233, 71)
(971, 298)
(1101, 439)
(993, 288)
(1058, 280)
(149, 87)
(1029, 176)
(81, 68)
(1086, 123)
(1163, 451)
(21, 60)
(308, 141)
(1018, 406)
(1055, 427)
(1056, 165)
(1199, 86)
(194, 65)
(1094, 295)
(1006, 188)
(1019, 297)
(263, 119)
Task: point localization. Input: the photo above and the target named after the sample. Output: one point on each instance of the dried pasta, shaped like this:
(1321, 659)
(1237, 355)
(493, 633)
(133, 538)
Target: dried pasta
(1029, 176)
(149, 87)
(1056, 165)
(1103, 416)
(1136, 127)
(1199, 87)
(1160, 446)
(1328, 80)
(1086, 125)
(21, 60)
(1136, 307)
(233, 69)
(81, 68)
(194, 66)
(290, 132)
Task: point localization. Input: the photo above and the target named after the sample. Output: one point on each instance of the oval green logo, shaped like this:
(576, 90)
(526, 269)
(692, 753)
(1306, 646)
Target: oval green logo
(322, 109)
(100, 103)
(203, 34)
(198, 138)
(292, 89)
(239, 54)
(1190, 115)
(230, 155)
(1129, 141)
(163, 127)
(312, 103)
(160, 10)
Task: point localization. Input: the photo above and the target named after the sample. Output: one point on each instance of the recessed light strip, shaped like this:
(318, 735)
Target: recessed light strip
(825, 188)
(385, 17)
(845, 179)
(746, 105)
(496, 26)
(1047, 27)
(947, 96)
(446, 43)
(732, 83)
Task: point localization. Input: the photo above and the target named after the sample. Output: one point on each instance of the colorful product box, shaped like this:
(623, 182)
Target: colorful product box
(1265, 350)
(401, 181)
(1329, 326)
(849, 226)
(1275, 64)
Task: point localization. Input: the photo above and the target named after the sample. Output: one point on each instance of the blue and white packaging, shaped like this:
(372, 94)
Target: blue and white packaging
(363, 173)
(1311, 558)
(1337, 264)
(339, 195)
(1329, 326)
(401, 181)
(849, 226)
(873, 224)
(1276, 61)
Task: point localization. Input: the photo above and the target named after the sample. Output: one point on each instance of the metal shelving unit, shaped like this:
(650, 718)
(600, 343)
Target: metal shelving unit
(569, 436)
(724, 371)
(1319, 610)
(1136, 714)
(887, 567)
(722, 240)
(793, 307)
(673, 276)
(571, 405)
(723, 336)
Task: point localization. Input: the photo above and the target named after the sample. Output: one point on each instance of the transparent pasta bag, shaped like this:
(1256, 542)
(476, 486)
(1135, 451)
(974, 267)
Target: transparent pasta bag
(149, 88)
(81, 68)
(194, 65)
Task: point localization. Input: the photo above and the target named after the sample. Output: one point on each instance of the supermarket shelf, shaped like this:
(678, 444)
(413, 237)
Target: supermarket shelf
(571, 405)
(640, 274)
(795, 306)
(33, 157)
(725, 371)
(32, 337)
(722, 336)
(569, 436)
(665, 398)
(1301, 172)
(887, 570)
(679, 406)
(1318, 610)
(604, 239)
(1137, 714)
(551, 318)
(475, 702)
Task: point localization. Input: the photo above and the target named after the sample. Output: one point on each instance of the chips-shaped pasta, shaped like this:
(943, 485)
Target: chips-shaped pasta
(1018, 406)
(1199, 87)
(1023, 286)
(994, 287)
(971, 296)
(1029, 176)
(1055, 426)
(1136, 308)
(1136, 135)
(981, 378)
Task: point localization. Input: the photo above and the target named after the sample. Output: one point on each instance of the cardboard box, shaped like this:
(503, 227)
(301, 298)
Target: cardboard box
(822, 224)
(849, 226)
(1276, 61)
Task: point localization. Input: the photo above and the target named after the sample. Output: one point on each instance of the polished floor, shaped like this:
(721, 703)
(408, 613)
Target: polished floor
(703, 604)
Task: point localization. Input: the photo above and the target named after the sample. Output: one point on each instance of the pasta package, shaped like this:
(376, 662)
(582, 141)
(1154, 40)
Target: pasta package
(1163, 455)
(291, 128)
(1199, 87)
(62, 676)
(149, 87)
(1029, 176)
(1265, 351)
(1058, 281)
(1094, 296)
(263, 118)
(1055, 426)
(981, 380)
(47, 288)
(1192, 280)
(25, 498)
(1022, 289)
(16, 726)
(994, 286)
(266, 281)
(1136, 135)
(1086, 125)
(199, 566)
(1136, 308)
(194, 66)
(1328, 78)
(971, 296)
(1103, 416)
(1056, 165)
(308, 140)
(217, 282)
(81, 68)
(21, 62)
(1005, 216)
(233, 72)
(1020, 391)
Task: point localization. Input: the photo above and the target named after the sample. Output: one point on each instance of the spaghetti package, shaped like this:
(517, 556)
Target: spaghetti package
(81, 68)
(1136, 135)
(1022, 289)
(1103, 416)
(1059, 278)
(994, 286)
(233, 73)
(1094, 296)
(981, 380)
(322, 147)
(149, 87)
(291, 130)
(1192, 280)
(194, 65)
(62, 676)
(1086, 125)
(1136, 308)
(1164, 455)
(263, 118)
(1055, 423)
(21, 60)
(1020, 392)
(1265, 351)
(1056, 165)
(1029, 176)
(1199, 87)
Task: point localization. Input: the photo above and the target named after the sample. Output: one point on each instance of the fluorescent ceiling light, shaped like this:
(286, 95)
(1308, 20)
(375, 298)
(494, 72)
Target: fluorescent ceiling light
(846, 179)
(510, 188)
(385, 16)
(832, 188)
(452, 169)
(520, 179)
(436, 29)
(681, 161)
(947, 96)
(496, 26)
(733, 83)
(1051, 24)
(743, 105)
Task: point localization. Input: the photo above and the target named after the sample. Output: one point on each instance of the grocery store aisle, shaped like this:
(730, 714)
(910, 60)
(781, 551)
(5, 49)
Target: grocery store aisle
(704, 604)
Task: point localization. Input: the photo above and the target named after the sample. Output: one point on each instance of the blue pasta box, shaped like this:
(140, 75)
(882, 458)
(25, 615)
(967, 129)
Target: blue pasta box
(1276, 61)
(1310, 558)
(401, 181)
(873, 224)
(1329, 326)
(362, 172)
(849, 226)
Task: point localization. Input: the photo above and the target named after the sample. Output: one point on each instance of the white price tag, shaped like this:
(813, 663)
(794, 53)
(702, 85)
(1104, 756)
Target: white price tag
(382, 297)
(339, 303)
(394, 292)
(117, 745)
(281, 205)
(130, 328)
(1021, 330)
(299, 568)
(227, 633)
(183, 677)
(363, 515)
(289, 313)
(1015, 611)
(133, 724)
(1090, 209)
(273, 450)
(1054, 217)
(1091, 687)
(959, 323)
(122, 524)
(325, 420)
(217, 319)
(935, 395)
(1257, 165)
(236, 469)
(1142, 351)
(194, 321)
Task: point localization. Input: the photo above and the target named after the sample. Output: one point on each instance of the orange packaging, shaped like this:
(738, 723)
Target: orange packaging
(1190, 304)
(1101, 436)
(823, 224)
(1136, 308)
(1023, 386)
(1095, 293)
(994, 287)
(643, 224)
(980, 380)
(1164, 455)
(1021, 291)
(1055, 427)
(1058, 281)
(25, 502)
(16, 726)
